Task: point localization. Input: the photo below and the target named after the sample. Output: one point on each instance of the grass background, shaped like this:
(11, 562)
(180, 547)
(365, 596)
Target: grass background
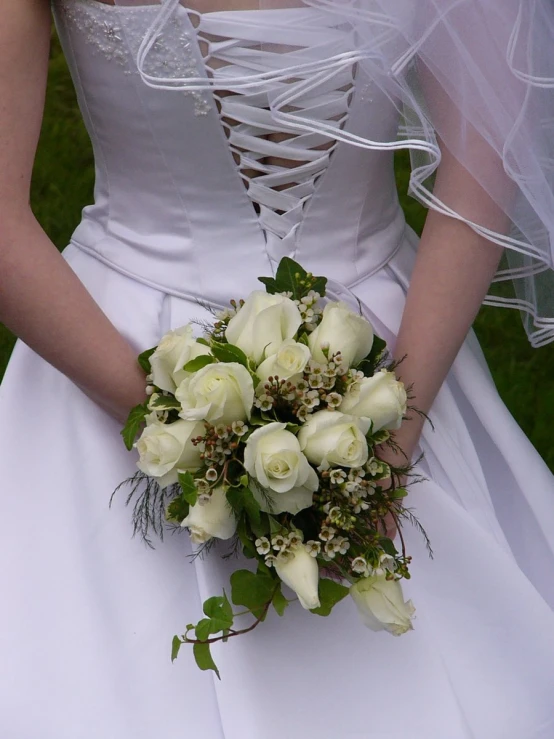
(62, 185)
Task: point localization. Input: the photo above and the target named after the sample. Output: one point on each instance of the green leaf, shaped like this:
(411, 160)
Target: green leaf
(290, 274)
(280, 603)
(292, 277)
(204, 659)
(133, 424)
(303, 339)
(190, 491)
(144, 360)
(229, 353)
(204, 629)
(203, 341)
(270, 285)
(387, 545)
(219, 611)
(175, 647)
(245, 538)
(330, 593)
(242, 500)
(165, 403)
(199, 363)
(177, 510)
(398, 493)
(368, 364)
(319, 284)
(252, 590)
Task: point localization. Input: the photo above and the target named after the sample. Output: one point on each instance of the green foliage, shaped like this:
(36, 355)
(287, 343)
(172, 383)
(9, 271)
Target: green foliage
(242, 500)
(280, 603)
(291, 277)
(204, 659)
(177, 510)
(134, 422)
(369, 363)
(253, 590)
(199, 363)
(330, 593)
(188, 487)
(144, 360)
(229, 353)
(165, 403)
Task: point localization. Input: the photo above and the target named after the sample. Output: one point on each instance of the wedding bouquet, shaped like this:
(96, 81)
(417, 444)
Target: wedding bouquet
(266, 433)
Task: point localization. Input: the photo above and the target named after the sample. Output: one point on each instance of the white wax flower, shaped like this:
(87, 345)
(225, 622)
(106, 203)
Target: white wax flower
(274, 459)
(300, 571)
(263, 319)
(286, 361)
(219, 393)
(172, 353)
(166, 448)
(332, 438)
(341, 330)
(213, 518)
(381, 398)
(381, 605)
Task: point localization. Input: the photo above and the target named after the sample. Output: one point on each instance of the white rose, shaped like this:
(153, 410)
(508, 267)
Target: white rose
(273, 457)
(381, 398)
(341, 330)
(211, 519)
(219, 393)
(263, 319)
(330, 438)
(288, 361)
(166, 448)
(301, 573)
(381, 605)
(172, 353)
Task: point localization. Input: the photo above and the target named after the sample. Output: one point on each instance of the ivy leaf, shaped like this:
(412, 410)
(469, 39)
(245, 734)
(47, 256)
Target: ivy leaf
(165, 403)
(219, 611)
(175, 648)
(177, 510)
(330, 593)
(144, 360)
(204, 628)
(280, 603)
(189, 489)
(199, 363)
(252, 590)
(204, 659)
(133, 424)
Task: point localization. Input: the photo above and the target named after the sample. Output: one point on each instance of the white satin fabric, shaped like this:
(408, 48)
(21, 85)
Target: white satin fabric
(88, 612)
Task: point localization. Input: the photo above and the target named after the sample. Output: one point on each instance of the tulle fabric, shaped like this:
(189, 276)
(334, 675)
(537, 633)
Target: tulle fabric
(473, 78)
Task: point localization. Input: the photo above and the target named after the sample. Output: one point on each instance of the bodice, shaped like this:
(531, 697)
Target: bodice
(200, 192)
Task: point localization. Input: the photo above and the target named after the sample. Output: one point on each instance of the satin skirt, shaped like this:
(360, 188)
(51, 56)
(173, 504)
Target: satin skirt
(88, 612)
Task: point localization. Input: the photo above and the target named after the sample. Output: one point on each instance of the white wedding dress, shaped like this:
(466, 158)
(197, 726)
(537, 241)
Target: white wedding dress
(88, 612)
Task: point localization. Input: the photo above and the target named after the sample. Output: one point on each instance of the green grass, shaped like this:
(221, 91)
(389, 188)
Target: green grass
(62, 185)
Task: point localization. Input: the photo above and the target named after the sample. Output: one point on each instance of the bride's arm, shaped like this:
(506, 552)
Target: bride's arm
(453, 270)
(41, 299)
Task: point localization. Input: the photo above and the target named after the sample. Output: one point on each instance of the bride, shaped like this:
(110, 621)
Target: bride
(228, 134)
